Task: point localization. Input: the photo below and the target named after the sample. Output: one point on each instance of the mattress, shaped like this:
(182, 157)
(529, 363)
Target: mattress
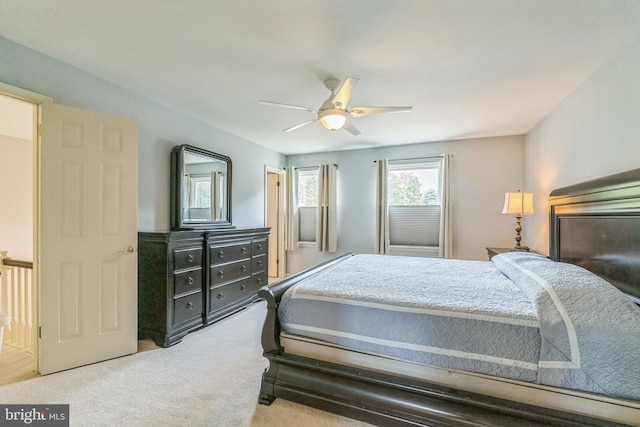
(520, 316)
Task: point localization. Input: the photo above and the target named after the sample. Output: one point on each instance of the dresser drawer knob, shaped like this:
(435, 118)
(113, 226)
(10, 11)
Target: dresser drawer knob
(221, 274)
(259, 281)
(259, 246)
(189, 280)
(243, 267)
(259, 263)
(190, 305)
(190, 258)
(243, 287)
(220, 295)
(220, 254)
(243, 250)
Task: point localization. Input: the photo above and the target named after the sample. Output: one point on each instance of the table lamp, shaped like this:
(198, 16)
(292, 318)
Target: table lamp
(518, 204)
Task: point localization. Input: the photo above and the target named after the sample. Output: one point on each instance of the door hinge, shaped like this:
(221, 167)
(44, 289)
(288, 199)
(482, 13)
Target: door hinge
(277, 183)
(40, 129)
(39, 331)
(278, 261)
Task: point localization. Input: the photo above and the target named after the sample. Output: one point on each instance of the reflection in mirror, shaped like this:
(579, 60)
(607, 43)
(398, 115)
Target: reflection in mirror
(204, 182)
(200, 188)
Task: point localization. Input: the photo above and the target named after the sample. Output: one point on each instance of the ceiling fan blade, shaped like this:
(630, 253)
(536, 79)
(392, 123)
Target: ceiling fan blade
(343, 95)
(348, 126)
(277, 104)
(368, 111)
(298, 126)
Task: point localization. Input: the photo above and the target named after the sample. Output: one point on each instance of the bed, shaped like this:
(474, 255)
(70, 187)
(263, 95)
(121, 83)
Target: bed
(519, 340)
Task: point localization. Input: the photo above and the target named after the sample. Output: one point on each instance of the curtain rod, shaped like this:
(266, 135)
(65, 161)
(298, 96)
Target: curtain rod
(312, 167)
(415, 158)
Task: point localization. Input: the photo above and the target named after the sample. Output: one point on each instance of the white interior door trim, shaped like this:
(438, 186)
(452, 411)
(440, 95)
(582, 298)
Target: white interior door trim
(23, 94)
(36, 99)
(282, 266)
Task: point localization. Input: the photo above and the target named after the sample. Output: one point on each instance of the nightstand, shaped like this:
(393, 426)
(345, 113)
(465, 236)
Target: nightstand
(491, 252)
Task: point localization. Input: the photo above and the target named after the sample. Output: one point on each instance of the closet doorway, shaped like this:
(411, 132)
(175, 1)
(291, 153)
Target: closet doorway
(274, 218)
(17, 293)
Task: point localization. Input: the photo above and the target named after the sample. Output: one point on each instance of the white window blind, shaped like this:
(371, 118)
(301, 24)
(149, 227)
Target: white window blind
(417, 225)
(307, 229)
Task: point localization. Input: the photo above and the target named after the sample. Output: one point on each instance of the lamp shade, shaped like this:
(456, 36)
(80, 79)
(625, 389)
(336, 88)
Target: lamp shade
(518, 203)
(333, 119)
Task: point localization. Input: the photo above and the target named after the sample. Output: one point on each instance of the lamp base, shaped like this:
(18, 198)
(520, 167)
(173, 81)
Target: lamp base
(520, 249)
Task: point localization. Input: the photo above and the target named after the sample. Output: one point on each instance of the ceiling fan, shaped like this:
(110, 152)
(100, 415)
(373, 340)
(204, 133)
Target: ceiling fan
(333, 113)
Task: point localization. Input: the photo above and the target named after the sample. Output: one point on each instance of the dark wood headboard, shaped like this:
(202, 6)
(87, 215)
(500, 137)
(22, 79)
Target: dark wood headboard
(596, 225)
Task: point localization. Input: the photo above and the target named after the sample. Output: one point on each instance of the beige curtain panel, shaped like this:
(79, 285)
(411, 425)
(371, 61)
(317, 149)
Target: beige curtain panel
(382, 245)
(446, 248)
(215, 195)
(291, 208)
(327, 229)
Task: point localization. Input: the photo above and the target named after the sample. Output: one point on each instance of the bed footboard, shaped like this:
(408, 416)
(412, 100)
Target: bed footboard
(382, 398)
(271, 329)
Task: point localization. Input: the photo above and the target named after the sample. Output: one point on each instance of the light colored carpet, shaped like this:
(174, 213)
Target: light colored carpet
(211, 378)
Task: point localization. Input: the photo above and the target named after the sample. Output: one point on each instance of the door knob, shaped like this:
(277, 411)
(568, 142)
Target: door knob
(127, 250)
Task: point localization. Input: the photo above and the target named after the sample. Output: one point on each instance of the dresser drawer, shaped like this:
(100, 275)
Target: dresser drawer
(228, 272)
(258, 263)
(220, 254)
(259, 246)
(187, 281)
(187, 307)
(258, 280)
(223, 296)
(187, 258)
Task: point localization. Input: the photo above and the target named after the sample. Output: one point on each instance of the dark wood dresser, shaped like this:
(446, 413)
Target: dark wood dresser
(189, 279)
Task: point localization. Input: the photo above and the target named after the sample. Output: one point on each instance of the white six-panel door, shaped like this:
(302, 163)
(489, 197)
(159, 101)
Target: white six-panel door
(87, 227)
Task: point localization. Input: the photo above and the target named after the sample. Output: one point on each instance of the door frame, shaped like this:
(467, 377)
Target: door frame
(37, 100)
(282, 265)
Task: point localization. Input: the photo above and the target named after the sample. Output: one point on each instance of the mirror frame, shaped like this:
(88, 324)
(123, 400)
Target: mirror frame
(177, 171)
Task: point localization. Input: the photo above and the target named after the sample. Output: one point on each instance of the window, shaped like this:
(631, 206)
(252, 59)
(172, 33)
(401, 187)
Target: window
(200, 191)
(414, 203)
(307, 204)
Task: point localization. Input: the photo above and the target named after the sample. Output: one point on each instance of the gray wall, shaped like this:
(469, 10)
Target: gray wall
(594, 132)
(159, 129)
(482, 171)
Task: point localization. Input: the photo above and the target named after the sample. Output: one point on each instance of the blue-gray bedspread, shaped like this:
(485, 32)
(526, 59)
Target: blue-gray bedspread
(520, 316)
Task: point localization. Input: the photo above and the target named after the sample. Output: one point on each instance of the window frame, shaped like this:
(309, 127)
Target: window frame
(195, 180)
(414, 225)
(307, 213)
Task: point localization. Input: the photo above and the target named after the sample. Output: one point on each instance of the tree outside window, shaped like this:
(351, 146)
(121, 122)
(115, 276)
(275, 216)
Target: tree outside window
(202, 194)
(308, 189)
(411, 185)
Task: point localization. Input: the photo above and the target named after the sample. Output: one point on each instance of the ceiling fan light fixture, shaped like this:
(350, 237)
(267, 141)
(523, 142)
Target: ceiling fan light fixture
(333, 113)
(333, 119)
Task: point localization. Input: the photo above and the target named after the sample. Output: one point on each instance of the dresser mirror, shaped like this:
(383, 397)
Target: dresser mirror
(200, 189)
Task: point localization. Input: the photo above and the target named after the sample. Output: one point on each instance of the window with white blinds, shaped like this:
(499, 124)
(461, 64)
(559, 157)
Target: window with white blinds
(414, 203)
(307, 204)
(307, 218)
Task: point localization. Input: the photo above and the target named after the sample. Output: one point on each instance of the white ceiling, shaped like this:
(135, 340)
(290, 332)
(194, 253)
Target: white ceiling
(469, 68)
